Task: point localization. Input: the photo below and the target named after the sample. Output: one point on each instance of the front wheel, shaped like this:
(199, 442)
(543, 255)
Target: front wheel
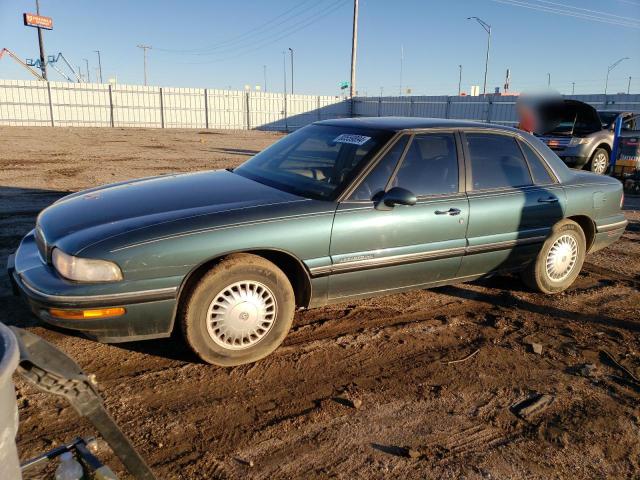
(239, 312)
(599, 161)
(559, 261)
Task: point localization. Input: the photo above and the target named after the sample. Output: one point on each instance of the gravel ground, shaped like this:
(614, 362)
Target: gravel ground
(437, 374)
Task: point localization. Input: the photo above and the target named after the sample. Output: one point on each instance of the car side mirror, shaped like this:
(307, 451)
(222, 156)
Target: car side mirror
(396, 196)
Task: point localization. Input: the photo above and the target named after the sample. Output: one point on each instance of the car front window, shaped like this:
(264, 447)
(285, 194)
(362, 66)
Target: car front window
(317, 161)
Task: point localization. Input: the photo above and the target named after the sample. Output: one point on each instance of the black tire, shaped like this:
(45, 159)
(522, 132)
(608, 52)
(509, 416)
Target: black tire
(195, 314)
(599, 162)
(536, 275)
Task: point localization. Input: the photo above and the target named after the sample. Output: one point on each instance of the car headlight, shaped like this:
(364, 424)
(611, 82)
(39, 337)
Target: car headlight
(85, 269)
(575, 141)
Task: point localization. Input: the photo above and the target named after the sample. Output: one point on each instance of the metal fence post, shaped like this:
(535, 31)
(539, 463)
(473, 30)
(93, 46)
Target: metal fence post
(447, 110)
(248, 109)
(318, 107)
(50, 104)
(489, 109)
(379, 106)
(111, 120)
(411, 106)
(206, 108)
(161, 109)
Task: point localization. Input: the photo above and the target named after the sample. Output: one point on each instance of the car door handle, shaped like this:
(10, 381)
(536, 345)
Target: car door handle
(451, 211)
(547, 200)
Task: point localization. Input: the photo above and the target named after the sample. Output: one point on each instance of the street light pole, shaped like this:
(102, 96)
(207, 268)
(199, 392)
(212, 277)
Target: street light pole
(86, 62)
(629, 86)
(144, 50)
(459, 79)
(284, 76)
(487, 29)
(291, 52)
(573, 88)
(611, 67)
(264, 73)
(548, 80)
(99, 66)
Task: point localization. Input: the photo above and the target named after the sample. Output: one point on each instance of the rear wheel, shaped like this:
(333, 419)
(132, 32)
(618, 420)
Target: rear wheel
(559, 261)
(599, 161)
(239, 312)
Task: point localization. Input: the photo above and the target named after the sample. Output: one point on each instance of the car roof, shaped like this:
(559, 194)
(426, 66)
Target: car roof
(407, 123)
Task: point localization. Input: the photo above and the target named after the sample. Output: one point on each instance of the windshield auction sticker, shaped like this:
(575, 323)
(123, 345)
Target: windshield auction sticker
(352, 139)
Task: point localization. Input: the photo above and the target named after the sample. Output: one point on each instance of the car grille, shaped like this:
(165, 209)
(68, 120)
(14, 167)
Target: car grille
(41, 243)
(556, 143)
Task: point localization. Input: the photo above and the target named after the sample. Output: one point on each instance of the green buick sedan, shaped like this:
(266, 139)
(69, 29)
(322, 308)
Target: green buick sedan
(339, 210)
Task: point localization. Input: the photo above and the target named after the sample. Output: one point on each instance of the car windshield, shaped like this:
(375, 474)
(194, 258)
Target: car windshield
(316, 161)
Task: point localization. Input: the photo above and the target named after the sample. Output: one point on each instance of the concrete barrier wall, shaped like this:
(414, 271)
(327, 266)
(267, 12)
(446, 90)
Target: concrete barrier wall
(29, 103)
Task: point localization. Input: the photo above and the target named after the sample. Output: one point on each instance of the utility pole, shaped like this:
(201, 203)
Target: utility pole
(284, 76)
(487, 28)
(459, 79)
(43, 62)
(611, 67)
(401, 65)
(291, 52)
(629, 86)
(86, 62)
(99, 66)
(507, 81)
(573, 88)
(144, 54)
(354, 50)
(548, 80)
(264, 73)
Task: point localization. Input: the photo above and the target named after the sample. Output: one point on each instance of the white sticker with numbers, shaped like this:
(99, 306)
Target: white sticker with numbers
(352, 139)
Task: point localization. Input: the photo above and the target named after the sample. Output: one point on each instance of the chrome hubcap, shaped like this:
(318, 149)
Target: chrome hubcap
(600, 163)
(562, 257)
(241, 315)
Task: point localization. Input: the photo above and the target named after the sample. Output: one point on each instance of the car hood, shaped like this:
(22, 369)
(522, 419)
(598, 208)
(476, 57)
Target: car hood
(92, 215)
(554, 116)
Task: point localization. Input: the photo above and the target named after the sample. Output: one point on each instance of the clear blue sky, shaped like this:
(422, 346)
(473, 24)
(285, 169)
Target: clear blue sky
(435, 34)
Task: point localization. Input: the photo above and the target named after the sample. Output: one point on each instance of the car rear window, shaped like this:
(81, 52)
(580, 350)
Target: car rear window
(496, 162)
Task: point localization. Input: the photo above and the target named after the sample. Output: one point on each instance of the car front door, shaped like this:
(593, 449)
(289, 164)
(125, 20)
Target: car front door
(377, 249)
(514, 200)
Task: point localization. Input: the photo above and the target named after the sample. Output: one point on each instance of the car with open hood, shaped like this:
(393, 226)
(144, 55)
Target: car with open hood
(336, 211)
(576, 133)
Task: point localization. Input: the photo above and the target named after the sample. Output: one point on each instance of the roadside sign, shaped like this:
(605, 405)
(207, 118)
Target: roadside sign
(38, 21)
(343, 85)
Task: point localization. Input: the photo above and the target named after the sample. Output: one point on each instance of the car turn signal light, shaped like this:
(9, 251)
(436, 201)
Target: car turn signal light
(86, 314)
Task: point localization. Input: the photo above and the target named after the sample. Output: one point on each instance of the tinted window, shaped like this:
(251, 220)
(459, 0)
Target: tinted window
(430, 166)
(316, 161)
(496, 162)
(540, 174)
(377, 179)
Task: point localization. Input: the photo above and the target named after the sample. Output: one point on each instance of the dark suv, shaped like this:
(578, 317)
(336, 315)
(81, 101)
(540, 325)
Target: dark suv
(576, 133)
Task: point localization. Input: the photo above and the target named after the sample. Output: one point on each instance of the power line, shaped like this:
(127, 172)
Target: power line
(250, 35)
(597, 12)
(269, 41)
(568, 13)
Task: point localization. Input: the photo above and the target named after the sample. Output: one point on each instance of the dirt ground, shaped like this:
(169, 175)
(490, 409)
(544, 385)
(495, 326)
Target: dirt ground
(439, 373)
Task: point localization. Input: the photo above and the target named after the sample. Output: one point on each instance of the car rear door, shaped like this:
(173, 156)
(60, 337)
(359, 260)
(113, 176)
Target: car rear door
(514, 200)
(376, 250)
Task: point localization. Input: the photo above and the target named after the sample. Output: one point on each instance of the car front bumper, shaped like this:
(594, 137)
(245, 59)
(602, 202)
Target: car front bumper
(149, 312)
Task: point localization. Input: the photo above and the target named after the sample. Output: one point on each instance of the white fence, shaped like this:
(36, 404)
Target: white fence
(33, 103)
(29, 103)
